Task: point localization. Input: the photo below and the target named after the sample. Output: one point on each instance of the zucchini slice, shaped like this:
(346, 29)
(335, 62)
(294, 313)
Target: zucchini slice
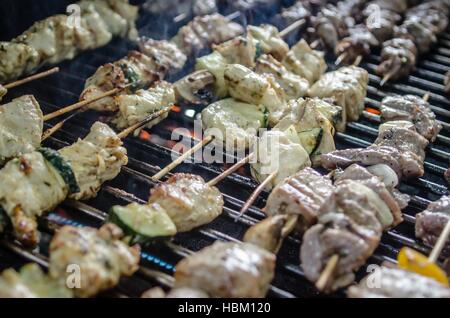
(142, 224)
(311, 139)
(62, 166)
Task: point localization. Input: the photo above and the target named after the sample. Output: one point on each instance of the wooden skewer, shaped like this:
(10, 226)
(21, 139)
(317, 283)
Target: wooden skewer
(315, 44)
(256, 193)
(325, 277)
(294, 26)
(230, 170)
(340, 58)
(358, 60)
(386, 78)
(181, 158)
(83, 103)
(426, 97)
(32, 78)
(49, 132)
(124, 133)
(434, 255)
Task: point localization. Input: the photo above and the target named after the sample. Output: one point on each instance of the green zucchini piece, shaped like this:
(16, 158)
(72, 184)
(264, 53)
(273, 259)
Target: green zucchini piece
(132, 77)
(310, 139)
(142, 224)
(62, 166)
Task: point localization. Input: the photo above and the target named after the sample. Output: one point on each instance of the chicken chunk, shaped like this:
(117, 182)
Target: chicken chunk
(269, 40)
(16, 59)
(228, 270)
(164, 52)
(188, 200)
(101, 256)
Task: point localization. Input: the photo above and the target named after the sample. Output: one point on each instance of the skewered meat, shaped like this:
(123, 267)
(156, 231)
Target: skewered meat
(357, 43)
(182, 292)
(331, 25)
(431, 222)
(100, 254)
(305, 62)
(228, 270)
(397, 283)
(293, 85)
(348, 87)
(30, 186)
(447, 82)
(415, 30)
(31, 282)
(398, 58)
(16, 59)
(188, 200)
(21, 125)
(413, 109)
(397, 6)
(204, 31)
(269, 40)
(348, 227)
(233, 122)
(380, 20)
(247, 86)
(301, 194)
(96, 25)
(364, 177)
(433, 13)
(135, 68)
(164, 53)
(136, 107)
(280, 152)
(313, 127)
(195, 88)
(298, 11)
(97, 158)
(240, 50)
(270, 232)
(406, 165)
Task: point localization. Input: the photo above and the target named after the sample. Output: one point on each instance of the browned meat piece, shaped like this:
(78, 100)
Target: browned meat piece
(228, 270)
(358, 43)
(431, 222)
(417, 31)
(433, 13)
(397, 283)
(397, 6)
(301, 194)
(407, 141)
(364, 177)
(163, 53)
(348, 227)
(204, 31)
(406, 165)
(379, 21)
(413, 109)
(398, 58)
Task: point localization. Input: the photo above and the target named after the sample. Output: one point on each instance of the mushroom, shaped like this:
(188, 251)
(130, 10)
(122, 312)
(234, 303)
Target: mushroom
(196, 88)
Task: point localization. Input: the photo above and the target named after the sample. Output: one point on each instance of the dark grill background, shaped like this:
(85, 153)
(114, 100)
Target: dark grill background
(152, 150)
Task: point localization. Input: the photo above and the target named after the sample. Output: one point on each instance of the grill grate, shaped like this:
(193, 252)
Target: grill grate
(147, 154)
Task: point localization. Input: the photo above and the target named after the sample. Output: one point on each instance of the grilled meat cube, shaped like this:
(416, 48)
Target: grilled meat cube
(347, 86)
(240, 50)
(281, 152)
(330, 25)
(204, 31)
(100, 254)
(134, 68)
(97, 158)
(305, 62)
(182, 292)
(31, 282)
(366, 178)
(431, 222)
(380, 21)
(30, 185)
(301, 194)
(447, 82)
(16, 59)
(21, 125)
(405, 165)
(434, 13)
(313, 127)
(164, 53)
(358, 43)
(404, 139)
(247, 86)
(397, 283)
(397, 6)
(228, 270)
(348, 227)
(417, 31)
(293, 85)
(398, 58)
(188, 200)
(136, 107)
(269, 40)
(233, 122)
(413, 109)
(92, 21)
